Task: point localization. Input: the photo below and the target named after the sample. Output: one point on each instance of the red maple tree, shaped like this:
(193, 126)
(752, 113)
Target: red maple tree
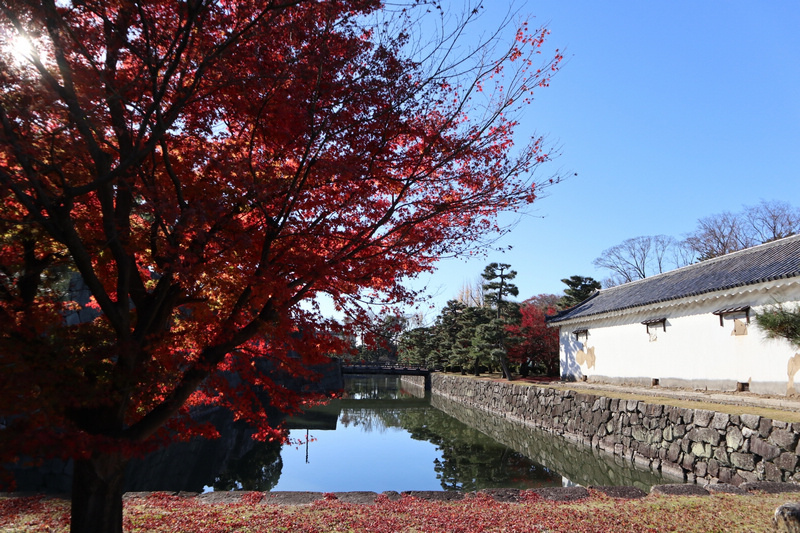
(202, 168)
(536, 344)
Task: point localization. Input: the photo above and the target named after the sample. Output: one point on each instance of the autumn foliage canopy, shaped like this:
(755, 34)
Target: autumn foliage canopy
(204, 167)
(536, 343)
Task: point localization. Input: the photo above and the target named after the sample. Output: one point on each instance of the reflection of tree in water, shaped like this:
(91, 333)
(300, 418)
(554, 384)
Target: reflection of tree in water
(360, 391)
(369, 420)
(233, 461)
(372, 388)
(470, 459)
(259, 469)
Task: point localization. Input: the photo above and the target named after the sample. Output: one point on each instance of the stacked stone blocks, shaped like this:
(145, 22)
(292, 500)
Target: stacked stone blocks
(694, 445)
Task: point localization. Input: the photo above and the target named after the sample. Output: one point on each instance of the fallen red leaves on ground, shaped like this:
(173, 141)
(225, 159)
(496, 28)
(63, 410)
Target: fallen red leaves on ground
(478, 512)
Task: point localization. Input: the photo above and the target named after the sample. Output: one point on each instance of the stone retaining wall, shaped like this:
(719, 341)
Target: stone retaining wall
(414, 384)
(690, 444)
(579, 464)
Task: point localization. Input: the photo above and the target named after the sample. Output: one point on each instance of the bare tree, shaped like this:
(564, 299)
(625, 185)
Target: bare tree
(471, 293)
(715, 235)
(628, 260)
(728, 232)
(770, 221)
(682, 254)
(638, 257)
(545, 302)
(718, 235)
(664, 256)
(612, 281)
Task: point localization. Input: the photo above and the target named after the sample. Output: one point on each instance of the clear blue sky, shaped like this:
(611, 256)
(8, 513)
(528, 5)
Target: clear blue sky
(668, 111)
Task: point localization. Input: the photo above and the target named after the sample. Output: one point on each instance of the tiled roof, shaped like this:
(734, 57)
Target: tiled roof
(775, 260)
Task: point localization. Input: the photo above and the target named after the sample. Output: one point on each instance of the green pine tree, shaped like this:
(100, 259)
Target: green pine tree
(497, 289)
(578, 289)
(780, 322)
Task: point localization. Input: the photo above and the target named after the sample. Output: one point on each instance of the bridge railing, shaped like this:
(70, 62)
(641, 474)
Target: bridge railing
(386, 366)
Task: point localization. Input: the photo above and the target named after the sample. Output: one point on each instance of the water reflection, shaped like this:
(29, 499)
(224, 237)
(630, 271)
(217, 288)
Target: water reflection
(234, 461)
(577, 463)
(389, 437)
(379, 436)
(259, 470)
(382, 435)
(470, 460)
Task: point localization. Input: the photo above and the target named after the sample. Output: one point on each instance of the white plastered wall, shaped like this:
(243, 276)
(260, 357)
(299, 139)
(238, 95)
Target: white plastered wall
(694, 350)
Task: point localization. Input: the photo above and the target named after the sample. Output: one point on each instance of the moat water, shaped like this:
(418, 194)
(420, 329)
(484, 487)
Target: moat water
(381, 435)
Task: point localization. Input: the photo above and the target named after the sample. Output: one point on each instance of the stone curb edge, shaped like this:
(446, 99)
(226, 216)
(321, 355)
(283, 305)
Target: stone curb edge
(504, 495)
(563, 494)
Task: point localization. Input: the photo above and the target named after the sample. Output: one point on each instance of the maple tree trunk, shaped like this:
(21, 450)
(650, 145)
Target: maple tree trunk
(97, 494)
